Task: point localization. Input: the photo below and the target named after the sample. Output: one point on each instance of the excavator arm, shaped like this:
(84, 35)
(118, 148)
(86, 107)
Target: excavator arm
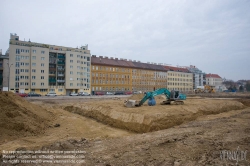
(149, 95)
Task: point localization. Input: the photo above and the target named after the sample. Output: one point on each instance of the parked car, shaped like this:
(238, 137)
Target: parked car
(22, 94)
(128, 93)
(33, 94)
(83, 94)
(73, 94)
(109, 93)
(51, 94)
(118, 93)
(99, 93)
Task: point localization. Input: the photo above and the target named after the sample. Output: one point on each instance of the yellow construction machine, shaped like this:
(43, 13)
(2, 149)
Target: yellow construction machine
(205, 89)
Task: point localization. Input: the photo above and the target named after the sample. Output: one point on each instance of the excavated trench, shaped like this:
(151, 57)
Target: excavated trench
(146, 119)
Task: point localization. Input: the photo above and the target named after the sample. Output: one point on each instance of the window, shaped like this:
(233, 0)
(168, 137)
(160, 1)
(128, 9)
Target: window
(26, 83)
(33, 84)
(33, 77)
(71, 84)
(34, 51)
(71, 67)
(42, 64)
(26, 77)
(71, 55)
(22, 57)
(42, 71)
(60, 90)
(33, 57)
(42, 84)
(33, 70)
(17, 57)
(42, 77)
(71, 61)
(26, 70)
(27, 51)
(43, 90)
(71, 72)
(33, 64)
(27, 57)
(17, 51)
(17, 64)
(27, 64)
(78, 56)
(42, 58)
(42, 52)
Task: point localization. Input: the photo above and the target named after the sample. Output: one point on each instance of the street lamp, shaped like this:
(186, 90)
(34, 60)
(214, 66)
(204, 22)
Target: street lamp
(9, 76)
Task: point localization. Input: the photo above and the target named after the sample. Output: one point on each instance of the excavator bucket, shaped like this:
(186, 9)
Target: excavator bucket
(131, 103)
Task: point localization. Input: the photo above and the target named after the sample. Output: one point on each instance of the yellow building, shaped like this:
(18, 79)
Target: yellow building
(122, 75)
(179, 79)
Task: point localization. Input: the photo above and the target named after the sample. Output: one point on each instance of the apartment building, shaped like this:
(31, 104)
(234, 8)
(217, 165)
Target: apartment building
(42, 68)
(113, 74)
(179, 79)
(215, 80)
(199, 77)
(4, 71)
(110, 75)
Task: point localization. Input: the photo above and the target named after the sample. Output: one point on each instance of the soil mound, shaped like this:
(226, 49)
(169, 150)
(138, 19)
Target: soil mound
(140, 96)
(20, 118)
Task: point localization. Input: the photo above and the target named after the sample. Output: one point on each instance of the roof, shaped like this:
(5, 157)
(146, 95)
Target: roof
(212, 76)
(124, 63)
(179, 69)
(133, 64)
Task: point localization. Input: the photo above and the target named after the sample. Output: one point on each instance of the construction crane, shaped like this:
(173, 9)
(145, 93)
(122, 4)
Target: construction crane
(174, 96)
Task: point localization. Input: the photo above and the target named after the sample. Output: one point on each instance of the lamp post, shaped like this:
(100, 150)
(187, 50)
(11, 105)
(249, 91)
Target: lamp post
(9, 76)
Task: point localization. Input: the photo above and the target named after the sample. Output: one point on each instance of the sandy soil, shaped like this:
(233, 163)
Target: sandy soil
(191, 134)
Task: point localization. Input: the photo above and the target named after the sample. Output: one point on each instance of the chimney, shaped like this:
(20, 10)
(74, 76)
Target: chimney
(106, 57)
(125, 59)
(93, 55)
(111, 57)
(100, 56)
(130, 60)
(116, 58)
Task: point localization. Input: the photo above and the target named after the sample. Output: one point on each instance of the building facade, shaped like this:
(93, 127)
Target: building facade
(42, 68)
(113, 74)
(179, 79)
(215, 80)
(4, 71)
(199, 77)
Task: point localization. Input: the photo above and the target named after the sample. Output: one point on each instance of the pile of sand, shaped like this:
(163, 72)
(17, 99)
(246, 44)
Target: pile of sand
(20, 118)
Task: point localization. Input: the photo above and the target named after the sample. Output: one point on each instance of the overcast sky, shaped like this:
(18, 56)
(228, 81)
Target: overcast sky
(213, 35)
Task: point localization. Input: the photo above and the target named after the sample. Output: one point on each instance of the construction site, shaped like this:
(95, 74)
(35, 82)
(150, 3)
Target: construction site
(195, 132)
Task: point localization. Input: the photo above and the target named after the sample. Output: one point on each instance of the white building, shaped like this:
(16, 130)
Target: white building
(42, 68)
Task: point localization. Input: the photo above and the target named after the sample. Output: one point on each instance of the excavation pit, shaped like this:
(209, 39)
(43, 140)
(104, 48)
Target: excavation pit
(151, 118)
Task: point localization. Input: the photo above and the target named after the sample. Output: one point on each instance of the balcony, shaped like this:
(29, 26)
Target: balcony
(60, 75)
(60, 69)
(52, 69)
(52, 74)
(52, 81)
(61, 57)
(60, 80)
(60, 63)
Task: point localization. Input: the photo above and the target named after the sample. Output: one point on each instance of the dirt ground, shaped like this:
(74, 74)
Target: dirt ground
(195, 133)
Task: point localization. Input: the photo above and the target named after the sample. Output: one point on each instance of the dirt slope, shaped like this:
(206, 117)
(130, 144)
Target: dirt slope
(21, 118)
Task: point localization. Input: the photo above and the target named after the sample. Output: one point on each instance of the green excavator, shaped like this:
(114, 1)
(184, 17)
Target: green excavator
(173, 97)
